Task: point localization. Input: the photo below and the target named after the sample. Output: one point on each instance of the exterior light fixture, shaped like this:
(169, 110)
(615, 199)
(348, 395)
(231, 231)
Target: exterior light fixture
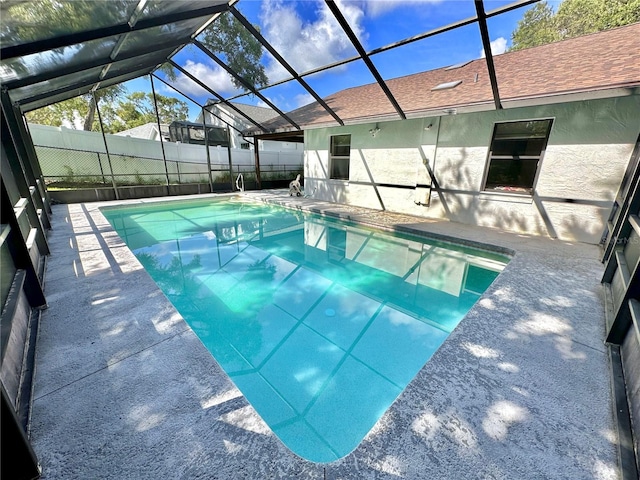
(374, 131)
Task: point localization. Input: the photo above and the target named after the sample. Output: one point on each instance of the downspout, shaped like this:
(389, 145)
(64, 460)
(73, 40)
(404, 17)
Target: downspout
(206, 146)
(164, 157)
(432, 172)
(229, 153)
(256, 155)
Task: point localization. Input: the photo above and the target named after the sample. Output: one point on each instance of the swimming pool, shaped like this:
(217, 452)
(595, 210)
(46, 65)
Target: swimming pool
(320, 323)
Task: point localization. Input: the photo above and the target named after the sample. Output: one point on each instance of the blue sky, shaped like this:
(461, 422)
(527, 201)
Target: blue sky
(307, 35)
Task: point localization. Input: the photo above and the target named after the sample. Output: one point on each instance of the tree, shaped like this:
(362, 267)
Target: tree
(242, 52)
(138, 109)
(109, 94)
(25, 22)
(76, 110)
(61, 113)
(580, 17)
(541, 25)
(117, 114)
(536, 28)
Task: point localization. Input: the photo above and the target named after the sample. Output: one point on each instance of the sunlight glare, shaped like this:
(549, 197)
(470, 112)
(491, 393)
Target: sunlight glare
(246, 418)
(143, 419)
(426, 425)
(502, 415)
(220, 399)
(508, 367)
(480, 351)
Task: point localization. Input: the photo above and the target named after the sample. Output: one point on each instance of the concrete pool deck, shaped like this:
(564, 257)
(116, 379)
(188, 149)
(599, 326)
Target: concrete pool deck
(124, 389)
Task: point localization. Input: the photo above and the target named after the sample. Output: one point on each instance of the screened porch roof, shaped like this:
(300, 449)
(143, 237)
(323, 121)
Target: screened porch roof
(56, 50)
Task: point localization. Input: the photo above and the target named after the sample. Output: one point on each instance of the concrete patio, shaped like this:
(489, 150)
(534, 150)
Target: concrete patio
(125, 390)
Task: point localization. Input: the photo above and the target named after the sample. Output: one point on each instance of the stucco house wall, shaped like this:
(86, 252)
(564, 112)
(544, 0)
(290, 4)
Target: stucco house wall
(589, 146)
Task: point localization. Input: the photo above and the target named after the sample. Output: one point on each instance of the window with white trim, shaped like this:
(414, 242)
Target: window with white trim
(339, 155)
(515, 154)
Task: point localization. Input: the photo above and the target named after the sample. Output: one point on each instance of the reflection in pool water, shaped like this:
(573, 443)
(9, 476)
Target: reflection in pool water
(321, 324)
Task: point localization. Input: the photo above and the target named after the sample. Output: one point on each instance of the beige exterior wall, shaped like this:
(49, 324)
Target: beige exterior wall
(589, 147)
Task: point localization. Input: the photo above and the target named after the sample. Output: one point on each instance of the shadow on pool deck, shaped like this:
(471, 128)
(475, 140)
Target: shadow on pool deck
(124, 389)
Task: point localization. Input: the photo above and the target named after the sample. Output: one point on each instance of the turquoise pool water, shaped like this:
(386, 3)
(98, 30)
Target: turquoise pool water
(321, 324)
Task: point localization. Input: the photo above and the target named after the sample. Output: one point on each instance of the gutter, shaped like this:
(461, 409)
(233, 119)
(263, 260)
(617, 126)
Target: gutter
(622, 90)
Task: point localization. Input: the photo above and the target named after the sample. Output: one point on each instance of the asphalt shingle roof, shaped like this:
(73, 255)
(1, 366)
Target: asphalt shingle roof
(259, 114)
(592, 62)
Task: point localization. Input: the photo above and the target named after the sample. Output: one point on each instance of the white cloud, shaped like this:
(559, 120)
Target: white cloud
(375, 8)
(287, 103)
(303, 99)
(214, 77)
(498, 46)
(306, 44)
(260, 103)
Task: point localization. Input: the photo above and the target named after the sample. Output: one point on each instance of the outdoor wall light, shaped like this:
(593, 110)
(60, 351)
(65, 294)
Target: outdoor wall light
(374, 131)
(428, 127)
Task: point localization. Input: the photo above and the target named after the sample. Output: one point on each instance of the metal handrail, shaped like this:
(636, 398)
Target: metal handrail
(240, 182)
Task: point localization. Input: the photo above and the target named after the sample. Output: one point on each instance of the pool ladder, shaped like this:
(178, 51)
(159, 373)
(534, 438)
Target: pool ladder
(240, 182)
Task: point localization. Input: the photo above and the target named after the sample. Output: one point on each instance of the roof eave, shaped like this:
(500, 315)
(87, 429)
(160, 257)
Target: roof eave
(607, 91)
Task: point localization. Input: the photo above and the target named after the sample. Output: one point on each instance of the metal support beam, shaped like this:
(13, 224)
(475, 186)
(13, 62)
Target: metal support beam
(212, 92)
(284, 63)
(39, 46)
(358, 46)
(164, 156)
(69, 70)
(201, 106)
(206, 107)
(18, 249)
(106, 147)
(79, 88)
(46, 200)
(628, 203)
(28, 158)
(510, 7)
(19, 459)
(246, 84)
(486, 44)
(622, 320)
(176, 89)
(375, 51)
(15, 167)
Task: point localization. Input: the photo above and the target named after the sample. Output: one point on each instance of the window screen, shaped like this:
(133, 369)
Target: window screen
(515, 154)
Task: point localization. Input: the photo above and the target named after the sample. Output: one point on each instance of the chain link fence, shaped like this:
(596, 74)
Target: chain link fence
(65, 168)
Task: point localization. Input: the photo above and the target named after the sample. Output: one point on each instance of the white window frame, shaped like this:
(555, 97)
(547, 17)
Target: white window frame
(338, 158)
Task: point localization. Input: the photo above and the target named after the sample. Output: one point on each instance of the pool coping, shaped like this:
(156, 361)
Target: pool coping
(410, 439)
